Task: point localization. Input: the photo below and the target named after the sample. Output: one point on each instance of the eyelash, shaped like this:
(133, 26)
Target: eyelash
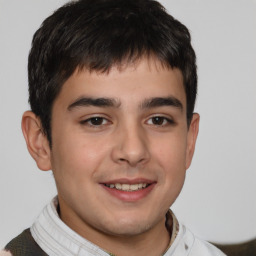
(164, 121)
(91, 119)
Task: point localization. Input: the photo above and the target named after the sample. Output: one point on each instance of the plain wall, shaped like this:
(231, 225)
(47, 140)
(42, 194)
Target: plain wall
(218, 200)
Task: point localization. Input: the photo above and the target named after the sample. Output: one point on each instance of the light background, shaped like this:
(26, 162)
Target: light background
(218, 201)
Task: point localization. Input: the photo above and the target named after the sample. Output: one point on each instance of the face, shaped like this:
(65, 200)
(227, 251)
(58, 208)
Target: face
(120, 147)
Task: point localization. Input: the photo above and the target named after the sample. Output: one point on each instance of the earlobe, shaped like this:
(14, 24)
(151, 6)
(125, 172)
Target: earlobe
(37, 143)
(191, 138)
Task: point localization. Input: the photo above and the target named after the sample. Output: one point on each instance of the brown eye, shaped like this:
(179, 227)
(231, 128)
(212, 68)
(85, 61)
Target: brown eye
(158, 120)
(96, 120)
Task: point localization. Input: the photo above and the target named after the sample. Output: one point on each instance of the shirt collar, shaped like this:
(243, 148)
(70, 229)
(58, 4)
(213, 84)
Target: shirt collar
(56, 238)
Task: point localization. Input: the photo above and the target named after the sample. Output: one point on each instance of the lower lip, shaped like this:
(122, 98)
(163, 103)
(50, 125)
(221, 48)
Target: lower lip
(130, 196)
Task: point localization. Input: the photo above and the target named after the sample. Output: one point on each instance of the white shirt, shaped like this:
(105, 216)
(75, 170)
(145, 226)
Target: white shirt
(57, 239)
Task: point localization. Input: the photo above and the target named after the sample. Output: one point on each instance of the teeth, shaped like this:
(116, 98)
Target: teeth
(127, 187)
(118, 186)
(134, 187)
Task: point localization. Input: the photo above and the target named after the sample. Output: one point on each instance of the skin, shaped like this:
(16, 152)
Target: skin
(128, 139)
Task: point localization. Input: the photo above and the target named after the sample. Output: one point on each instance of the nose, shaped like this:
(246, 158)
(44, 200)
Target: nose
(131, 146)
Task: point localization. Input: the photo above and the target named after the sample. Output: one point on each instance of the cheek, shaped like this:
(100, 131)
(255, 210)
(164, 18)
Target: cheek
(170, 152)
(170, 155)
(77, 157)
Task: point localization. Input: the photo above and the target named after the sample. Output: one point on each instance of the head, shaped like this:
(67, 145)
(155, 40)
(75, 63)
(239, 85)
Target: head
(112, 90)
(97, 35)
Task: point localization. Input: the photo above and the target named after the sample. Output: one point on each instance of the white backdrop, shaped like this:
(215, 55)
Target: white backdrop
(218, 200)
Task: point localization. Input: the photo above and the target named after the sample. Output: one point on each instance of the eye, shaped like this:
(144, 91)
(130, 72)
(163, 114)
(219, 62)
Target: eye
(95, 121)
(160, 121)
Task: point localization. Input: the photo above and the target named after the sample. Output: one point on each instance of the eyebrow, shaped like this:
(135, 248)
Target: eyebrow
(97, 102)
(111, 102)
(162, 101)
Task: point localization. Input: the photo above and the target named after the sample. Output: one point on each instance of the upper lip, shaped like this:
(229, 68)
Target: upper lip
(129, 181)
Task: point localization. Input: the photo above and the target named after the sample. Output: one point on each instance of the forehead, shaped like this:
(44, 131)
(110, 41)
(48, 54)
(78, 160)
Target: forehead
(134, 82)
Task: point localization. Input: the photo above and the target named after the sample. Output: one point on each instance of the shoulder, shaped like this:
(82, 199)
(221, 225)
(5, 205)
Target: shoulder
(23, 245)
(200, 247)
(205, 249)
(188, 244)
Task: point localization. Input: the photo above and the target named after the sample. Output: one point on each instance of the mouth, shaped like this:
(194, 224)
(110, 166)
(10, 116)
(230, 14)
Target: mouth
(128, 187)
(129, 190)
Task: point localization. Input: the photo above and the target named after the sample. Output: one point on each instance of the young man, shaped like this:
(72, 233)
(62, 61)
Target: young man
(112, 88)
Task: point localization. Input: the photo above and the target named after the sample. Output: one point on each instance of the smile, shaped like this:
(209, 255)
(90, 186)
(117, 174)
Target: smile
(129, 190)
(127, 187)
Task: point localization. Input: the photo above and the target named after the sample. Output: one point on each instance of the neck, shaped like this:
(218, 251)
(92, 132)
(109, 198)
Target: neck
(151, 243)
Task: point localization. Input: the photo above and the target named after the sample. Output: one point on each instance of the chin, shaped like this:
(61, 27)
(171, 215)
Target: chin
(132, 230)
(129, 226)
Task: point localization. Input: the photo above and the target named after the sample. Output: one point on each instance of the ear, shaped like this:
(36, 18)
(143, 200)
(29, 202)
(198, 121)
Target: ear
(37, 142)
(191, 138)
